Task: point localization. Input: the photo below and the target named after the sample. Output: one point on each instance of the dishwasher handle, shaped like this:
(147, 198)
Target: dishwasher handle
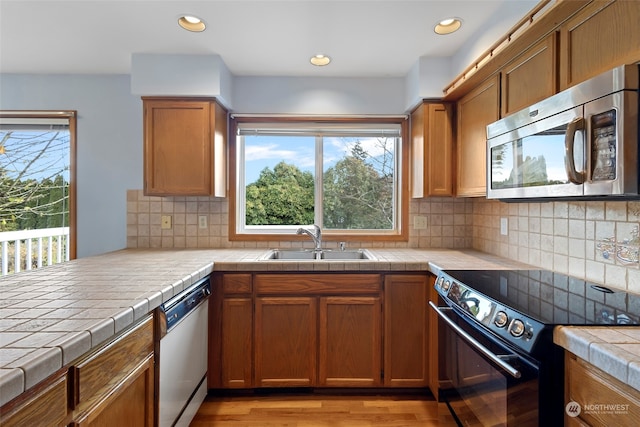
(498, 360)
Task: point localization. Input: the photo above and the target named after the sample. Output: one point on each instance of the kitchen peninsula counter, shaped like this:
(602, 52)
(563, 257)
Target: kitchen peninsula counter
(52, 316)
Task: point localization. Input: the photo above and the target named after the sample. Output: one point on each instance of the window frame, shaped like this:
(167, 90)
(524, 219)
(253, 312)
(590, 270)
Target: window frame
(402, 162)
(71, 116)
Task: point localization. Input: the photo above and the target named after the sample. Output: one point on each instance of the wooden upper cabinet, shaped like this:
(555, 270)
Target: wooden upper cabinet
(184, 147)
(476, 110)
(531, 77)
(432, 150)
(603, 35)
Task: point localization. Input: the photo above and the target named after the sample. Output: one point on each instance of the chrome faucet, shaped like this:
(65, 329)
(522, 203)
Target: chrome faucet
(316, 235)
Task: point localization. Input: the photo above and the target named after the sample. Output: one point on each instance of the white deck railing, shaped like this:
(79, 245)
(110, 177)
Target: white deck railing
(46, 246)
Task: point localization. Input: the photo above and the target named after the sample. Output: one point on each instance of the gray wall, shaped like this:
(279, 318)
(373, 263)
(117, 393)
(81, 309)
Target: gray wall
(109, 157)
(109, 145)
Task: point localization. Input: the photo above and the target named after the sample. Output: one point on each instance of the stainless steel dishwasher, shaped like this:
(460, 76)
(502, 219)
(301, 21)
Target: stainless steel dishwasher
(182, 358)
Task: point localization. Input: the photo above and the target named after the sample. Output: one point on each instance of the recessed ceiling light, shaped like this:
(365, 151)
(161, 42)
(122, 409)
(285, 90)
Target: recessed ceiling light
(320, 60)
(191, 23)
(448, 26)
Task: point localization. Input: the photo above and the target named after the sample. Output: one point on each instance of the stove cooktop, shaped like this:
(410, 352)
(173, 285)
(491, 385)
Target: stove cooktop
(553, 298)
(523, 306)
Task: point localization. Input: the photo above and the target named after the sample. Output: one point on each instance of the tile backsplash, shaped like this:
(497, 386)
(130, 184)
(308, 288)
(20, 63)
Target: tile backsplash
(598, 241)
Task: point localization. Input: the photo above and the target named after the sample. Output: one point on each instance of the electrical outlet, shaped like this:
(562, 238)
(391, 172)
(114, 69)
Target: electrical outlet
(165, 222)
(420, 222)
(504, 226)
(202, 221)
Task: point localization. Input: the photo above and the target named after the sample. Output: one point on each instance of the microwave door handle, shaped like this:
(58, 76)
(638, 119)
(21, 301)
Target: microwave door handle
(498, 360)
(574, 126)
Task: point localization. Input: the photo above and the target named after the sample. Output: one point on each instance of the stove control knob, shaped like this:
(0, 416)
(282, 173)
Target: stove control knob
(440, 280)
(501, 319)
(447, 285)
(517, 328)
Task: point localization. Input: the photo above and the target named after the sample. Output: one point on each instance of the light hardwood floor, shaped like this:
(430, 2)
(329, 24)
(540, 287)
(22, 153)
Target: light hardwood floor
(322, 410)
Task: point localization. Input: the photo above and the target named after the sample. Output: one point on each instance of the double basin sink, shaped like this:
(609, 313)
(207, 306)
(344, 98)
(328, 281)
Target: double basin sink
(311, 255)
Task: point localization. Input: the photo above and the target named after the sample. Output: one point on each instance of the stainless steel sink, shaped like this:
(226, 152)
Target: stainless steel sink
(289, 254)
(347, 254)
(309, 254)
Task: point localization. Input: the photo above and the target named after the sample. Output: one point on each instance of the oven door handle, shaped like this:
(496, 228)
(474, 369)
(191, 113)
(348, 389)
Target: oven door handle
(474, 343)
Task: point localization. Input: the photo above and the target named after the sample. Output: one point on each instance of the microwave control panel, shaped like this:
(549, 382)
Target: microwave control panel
(603, 147)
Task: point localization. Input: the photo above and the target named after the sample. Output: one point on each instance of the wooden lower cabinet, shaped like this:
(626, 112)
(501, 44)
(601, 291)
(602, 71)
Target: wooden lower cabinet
(350, 351)
(285, 342)
(130, 403)
(236, 342)
(603, 399)
(47, 401)
(115, 384)
(111, 386)
(319, 330)
(406, 331)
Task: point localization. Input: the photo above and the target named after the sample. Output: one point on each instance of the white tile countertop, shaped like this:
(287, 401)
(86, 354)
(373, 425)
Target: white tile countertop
(52, 316)
(615, 350)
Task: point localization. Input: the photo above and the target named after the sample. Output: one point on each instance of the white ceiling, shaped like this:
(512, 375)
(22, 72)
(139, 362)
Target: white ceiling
(365, 38)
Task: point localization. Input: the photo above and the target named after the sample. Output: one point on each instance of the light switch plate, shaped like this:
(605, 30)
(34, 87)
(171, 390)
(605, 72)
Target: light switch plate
(165, 222)
(420, 222)
(202, 221)
(504, 226)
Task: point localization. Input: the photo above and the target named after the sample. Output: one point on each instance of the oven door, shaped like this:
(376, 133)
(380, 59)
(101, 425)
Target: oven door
(486, 383)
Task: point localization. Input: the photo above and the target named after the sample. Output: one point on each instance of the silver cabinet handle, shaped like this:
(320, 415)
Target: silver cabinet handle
(474, 343)
(569, 143)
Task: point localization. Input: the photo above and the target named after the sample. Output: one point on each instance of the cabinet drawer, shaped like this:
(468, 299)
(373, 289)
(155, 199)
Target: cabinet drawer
(590, 387)
(48, 402)
(236, 283)
(306, 284)
(111, 364)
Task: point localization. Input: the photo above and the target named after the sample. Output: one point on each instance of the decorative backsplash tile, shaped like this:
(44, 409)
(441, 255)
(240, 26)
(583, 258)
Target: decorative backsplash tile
(597, 241)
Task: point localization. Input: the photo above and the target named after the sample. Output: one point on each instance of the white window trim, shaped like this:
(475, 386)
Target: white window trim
(269, 128)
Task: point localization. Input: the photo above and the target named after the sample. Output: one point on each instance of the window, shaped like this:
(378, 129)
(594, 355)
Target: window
(344, 176)
(36, 188)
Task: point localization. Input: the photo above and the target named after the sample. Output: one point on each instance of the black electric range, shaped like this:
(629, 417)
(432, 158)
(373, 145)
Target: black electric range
(518, 305)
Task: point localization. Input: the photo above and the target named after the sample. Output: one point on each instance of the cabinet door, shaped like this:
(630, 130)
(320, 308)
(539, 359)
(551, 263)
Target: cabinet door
(475, 111)
(236, 342)
(406, 308)
(530, 78)
(131, 403)
(350, 351)
(588, 385)
(115, 384)
(435, 338)
(285, 341)
(182, 149)
(47, 401)
(432, 150)
(603, 35)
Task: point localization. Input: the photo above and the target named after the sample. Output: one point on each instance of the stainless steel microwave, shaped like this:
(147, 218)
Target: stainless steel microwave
(579, 143)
